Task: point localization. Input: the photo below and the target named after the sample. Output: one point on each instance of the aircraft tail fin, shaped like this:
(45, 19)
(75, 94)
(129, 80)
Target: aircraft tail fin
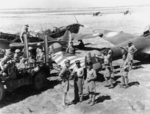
(67, 36)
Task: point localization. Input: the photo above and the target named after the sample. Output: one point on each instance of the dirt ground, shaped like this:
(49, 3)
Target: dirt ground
(134, 100)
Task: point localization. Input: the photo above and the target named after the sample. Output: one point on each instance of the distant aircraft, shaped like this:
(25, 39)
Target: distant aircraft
(97, 13)
(127, 12)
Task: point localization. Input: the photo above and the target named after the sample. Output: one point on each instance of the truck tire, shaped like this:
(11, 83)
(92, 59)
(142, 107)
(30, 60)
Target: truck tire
(2, 92)
(39, 80)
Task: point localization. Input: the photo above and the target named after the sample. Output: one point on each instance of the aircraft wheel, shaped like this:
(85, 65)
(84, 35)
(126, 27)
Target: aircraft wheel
(2, 92)
(39, 80)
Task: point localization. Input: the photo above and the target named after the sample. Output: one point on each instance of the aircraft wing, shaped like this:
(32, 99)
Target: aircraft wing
(114, 37)
(21, 45)
(84, 36)
(61, 57)
(4, 44)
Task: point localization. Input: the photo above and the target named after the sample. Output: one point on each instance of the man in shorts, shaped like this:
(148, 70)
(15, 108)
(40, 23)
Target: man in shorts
(91, 87)
(65, 76)
(108, 75)
(125, 72)
(131, 51)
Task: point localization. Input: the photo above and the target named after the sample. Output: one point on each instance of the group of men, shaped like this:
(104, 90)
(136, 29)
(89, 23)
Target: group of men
(17, 57)
(127, 58)
(78, 75)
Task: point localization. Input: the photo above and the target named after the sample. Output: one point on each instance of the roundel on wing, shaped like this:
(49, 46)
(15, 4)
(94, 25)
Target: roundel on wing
(111, 34)
(56, 47)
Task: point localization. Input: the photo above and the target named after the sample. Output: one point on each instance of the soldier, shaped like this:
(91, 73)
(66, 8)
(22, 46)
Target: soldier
(17, 55)
(125, 71)
(70, 49)
(90, 82)
(78, 74)
(81, 44)
(6, 60)
(31, 56)
(108, 70)
(40, 54)
(65, 76)
(24, 31)
(131, 50)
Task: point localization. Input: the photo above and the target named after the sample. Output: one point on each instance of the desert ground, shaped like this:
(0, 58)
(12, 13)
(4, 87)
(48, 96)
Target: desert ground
(134, 100)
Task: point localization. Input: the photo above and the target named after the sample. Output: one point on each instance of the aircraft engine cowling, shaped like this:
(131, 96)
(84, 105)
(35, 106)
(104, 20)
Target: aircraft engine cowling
(55, 47)
(97, 62)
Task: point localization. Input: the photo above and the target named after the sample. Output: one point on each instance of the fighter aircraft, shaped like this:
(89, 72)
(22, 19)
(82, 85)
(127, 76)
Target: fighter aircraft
(121, 39)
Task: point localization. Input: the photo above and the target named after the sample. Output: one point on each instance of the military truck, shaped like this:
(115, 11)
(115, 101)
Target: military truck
(34, 74)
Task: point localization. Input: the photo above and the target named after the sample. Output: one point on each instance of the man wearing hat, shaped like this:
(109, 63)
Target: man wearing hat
(39, 53)
(90, 83)
(70, 49)
(125, 72)
(81, 44)
(108, 69)
(31, 56)
(17, 55)
(24, 31)
(131, 51)
(6, 60)
(65, 76)
(78, 73)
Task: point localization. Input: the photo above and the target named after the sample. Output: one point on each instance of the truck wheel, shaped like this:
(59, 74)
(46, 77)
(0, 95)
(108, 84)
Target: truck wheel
(2, 92)
(39, 80)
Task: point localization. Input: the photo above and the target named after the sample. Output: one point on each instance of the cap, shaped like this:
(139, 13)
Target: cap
(17, 51)
(130, 42)
(30, 48)
(27, 25)
(67, 61)
(89, 63)
(77, 62)
(8, 53)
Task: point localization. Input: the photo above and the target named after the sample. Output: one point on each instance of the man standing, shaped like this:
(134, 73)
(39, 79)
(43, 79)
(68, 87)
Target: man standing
(70, 49)
(65, 76)
(78, 74)
(24, 31)
(131, 50)
(91, 87)
(39, 54)
(6, 60)
(17, 55)
(108, 70)
(125, 72)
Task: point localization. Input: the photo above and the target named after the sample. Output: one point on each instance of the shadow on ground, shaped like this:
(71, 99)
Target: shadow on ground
(25, 92)
(102, 99)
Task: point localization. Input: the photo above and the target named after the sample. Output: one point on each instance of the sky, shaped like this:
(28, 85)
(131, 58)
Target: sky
(5, 4)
